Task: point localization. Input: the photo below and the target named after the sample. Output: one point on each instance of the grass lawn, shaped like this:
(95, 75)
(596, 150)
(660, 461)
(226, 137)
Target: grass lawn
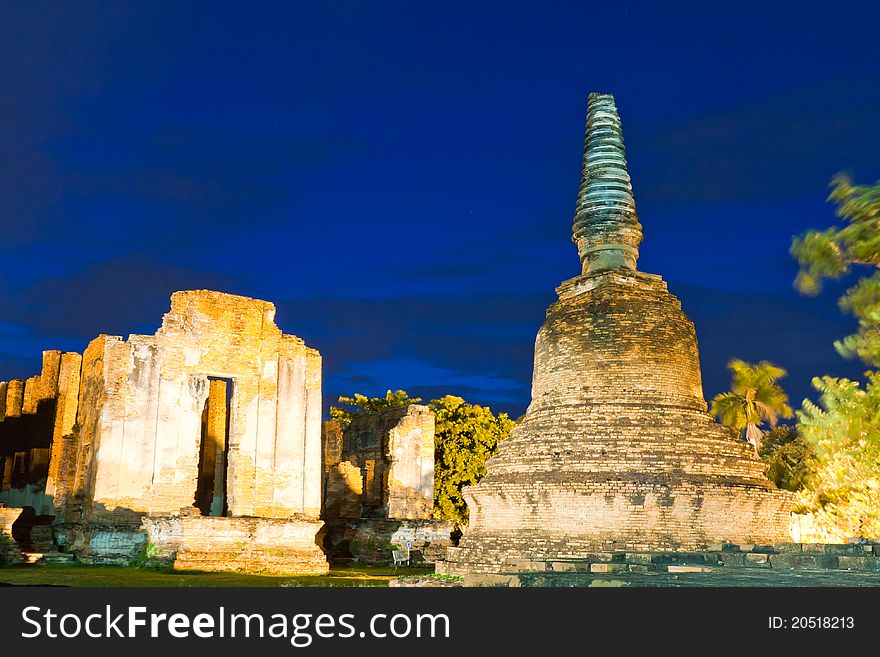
(66, 575)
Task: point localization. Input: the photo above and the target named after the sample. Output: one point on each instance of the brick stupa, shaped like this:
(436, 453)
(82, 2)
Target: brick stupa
(616, 450)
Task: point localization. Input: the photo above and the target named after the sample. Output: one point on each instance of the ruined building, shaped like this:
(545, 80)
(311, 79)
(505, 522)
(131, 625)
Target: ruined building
(392, 454)
(37, 419)
(203, 441)
(616, 450)
(379, 486)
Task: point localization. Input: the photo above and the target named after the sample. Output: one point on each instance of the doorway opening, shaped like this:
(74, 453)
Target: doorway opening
(214, 449)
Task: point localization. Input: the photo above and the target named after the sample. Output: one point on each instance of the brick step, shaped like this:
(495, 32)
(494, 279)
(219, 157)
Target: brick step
(618, 567)
(861, 556)
(34, 534)
(267, 558)
(656, 562)
(49, 556)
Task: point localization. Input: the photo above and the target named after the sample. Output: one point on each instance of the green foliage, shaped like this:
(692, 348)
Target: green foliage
(755, 398)
(362, 403)
(844, 429)
(831, 253)
(789, 457)
(152, 556)
(465, 436)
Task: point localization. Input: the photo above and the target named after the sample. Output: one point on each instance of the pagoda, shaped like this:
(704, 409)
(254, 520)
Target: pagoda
(616, 450)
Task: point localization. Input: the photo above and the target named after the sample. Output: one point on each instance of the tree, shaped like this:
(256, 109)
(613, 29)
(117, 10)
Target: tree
(466, 435)
(831, 254)
(370, 405)
(789, 457)
(755, 398)
(841, 498)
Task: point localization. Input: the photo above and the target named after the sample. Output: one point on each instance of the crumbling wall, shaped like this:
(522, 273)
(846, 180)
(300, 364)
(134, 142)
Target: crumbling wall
(141, 429)
(409, 478)
(393, 452)
(344, 487)
(332, 438)
(217, 414)
(379, 487)
(59, 478)
(9, 550)
(36, 421)
(342, 484)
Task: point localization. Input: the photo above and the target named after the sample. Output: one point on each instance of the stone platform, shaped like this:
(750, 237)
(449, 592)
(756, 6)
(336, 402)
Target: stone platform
(102, 544)
(788, 564)
(271, 546)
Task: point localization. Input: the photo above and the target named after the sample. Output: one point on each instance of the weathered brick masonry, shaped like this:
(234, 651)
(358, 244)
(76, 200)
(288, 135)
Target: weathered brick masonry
(37, 418)
(208, 430)
(616, 450)
(37, 426)
(379, 486)
(393, 453)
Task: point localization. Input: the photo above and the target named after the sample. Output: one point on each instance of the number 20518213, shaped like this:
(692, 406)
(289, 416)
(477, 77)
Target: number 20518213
(811, 623)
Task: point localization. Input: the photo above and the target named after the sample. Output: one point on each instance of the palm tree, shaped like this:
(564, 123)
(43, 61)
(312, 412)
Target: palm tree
(755, 398)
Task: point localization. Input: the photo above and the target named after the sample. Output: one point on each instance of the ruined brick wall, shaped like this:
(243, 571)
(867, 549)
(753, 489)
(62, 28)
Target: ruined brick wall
(141, 425)
(37, 420)
(145, 426)
(409, 479)
(343, 483)
(343, 489)
(393, 454)
(10, 552)
(332, 439)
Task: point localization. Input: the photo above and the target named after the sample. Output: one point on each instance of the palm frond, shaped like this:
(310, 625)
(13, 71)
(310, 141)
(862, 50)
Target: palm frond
(753, 435)
(766, 413)
(728, 408)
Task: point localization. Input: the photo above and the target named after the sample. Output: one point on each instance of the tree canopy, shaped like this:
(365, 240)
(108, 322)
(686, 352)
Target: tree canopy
(466, 436)
(362, 403)
(789, 457)
(755, 397)
(842, 495)
(840, 498)
(832, 253)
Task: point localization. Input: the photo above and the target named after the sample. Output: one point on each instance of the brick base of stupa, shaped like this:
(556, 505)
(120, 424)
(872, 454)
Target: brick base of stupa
(616, 450)
(580, 520)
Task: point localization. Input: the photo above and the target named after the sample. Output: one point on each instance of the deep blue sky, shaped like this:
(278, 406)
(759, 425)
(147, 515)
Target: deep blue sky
(400, 177)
